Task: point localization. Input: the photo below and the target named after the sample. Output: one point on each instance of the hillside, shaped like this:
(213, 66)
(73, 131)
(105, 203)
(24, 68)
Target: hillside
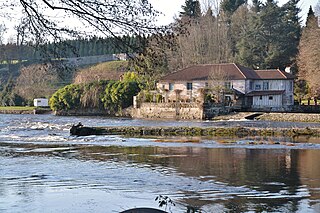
(104, 71)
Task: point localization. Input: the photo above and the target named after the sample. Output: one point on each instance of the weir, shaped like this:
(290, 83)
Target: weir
(193, 131)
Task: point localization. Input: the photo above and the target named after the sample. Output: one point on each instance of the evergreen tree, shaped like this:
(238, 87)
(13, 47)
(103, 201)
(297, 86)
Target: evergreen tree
(256, 6)
(311, 19)
(191, 9)
(229, 6)
(292, 30)
(272, 37)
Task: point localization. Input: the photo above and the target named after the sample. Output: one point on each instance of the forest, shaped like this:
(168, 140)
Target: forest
(259, 35)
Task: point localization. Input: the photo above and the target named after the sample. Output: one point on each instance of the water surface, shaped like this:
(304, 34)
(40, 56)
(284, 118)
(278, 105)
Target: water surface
(43, 169)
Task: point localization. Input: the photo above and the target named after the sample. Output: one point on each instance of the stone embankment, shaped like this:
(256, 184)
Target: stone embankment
(26, 111)
(198, 131)
(285, 117)
(290, 117)
(16, 112)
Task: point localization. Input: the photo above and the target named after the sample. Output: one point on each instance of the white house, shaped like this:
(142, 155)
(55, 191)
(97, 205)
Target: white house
(270, 90)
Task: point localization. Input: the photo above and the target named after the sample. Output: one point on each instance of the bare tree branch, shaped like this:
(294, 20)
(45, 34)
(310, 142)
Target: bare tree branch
(53, 20)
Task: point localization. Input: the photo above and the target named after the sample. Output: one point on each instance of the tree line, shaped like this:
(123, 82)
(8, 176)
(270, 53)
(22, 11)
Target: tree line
(13, 52)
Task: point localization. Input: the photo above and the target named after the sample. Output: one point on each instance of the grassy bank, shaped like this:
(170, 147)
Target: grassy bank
(24, 110)
(9, 108)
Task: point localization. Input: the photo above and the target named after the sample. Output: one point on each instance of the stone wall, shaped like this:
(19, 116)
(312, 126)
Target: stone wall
(188, 111)
(82, 112)
(290, 117)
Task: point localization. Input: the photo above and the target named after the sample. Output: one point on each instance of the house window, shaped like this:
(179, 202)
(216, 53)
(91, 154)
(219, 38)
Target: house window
(260, 97)
(258, 87)
(171, 86)
(270, 97)
(189, 86)
(227, 85)
(206, 84)
(290, 99)
(265, 85)
(251, 85)
(163, 86)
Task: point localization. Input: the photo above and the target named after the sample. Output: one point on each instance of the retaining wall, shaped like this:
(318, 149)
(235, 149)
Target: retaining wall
(188, 111)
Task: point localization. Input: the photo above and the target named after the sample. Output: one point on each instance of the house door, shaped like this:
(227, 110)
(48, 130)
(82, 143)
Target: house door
(249, 101)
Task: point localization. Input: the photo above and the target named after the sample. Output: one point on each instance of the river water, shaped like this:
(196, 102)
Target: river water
(43, 169)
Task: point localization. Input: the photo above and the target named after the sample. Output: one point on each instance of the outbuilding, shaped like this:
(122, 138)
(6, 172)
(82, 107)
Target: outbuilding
(41, 102)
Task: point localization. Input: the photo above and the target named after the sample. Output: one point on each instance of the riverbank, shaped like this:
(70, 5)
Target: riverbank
(197, 131)
(290, 117)
(263, 116)
(24, 110)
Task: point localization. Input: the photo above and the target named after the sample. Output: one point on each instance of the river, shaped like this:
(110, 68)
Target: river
(44, 169)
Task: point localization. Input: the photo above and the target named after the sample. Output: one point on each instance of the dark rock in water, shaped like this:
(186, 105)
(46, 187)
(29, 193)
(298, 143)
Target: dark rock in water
(143, 210)
(80, 130)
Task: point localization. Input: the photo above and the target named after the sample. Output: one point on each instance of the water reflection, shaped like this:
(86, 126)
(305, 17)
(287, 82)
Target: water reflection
(220, 179)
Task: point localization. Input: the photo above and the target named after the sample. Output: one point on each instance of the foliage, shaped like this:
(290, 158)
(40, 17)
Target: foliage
(111, 95)
(191, 9)
(271, 38)
(66, 98)
(119, 95)
(79, 47)
(92, 94)
(8, 97)
(130, 76)
(262, 36)
(230, 6)
(300, 88)
(150, 65)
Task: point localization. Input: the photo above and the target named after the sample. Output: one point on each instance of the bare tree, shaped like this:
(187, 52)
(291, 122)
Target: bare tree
(39, 80)
(207, 41)
(53, 20)
(218, 80)
(309, 56)
(2, 31)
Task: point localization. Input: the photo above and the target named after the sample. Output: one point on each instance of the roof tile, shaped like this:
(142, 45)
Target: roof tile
(233, 71)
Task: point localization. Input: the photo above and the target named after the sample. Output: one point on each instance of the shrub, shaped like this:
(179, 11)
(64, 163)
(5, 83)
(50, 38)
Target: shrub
(66, 98)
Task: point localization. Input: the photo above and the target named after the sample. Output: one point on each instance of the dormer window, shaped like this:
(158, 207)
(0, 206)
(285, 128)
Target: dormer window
(257, 87)
(265, 85)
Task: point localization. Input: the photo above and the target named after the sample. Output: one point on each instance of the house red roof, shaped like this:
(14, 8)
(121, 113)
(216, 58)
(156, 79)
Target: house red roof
(231, 71)
(273, 74)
